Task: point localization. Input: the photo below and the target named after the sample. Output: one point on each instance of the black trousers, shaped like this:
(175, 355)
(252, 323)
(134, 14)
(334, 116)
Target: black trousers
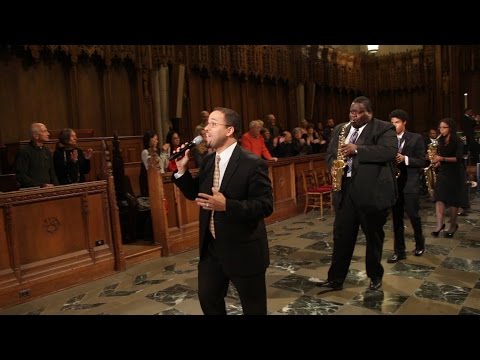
(407, 203)
(348, 219)
(213, 284)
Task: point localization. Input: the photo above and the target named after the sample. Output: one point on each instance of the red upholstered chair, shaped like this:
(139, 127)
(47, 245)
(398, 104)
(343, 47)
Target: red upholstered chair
(315, 192)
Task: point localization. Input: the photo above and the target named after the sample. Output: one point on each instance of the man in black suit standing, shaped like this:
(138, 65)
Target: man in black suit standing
(233, 236)
(410, 161)
(468, 125)
(368, 191)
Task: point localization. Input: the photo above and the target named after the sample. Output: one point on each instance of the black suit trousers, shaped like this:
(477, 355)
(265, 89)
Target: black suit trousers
(213, 285)
(406, 203)
(348, 219)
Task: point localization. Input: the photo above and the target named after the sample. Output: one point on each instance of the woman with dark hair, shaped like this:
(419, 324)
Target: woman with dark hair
(451, 180)
(71, 163)
(150, 144)
(172, 142)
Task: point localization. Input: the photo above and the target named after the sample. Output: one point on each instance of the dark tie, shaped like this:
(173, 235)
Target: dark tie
(353, 139)
(399, 143)
(216, 180)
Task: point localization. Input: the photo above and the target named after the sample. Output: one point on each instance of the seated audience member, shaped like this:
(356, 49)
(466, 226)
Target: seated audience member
(34, 163)
(327, 132)
(71, 163)
(172, 142)
(299, 143)
(270, 143)
(303, 126)
(150, 144)
(202, 149)
(271, 124)
(285, 146)
(253, 142)
(314, 140)
(319, 128)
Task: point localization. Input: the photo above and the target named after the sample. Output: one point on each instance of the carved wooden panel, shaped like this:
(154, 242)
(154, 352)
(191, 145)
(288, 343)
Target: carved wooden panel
(283, 186)
(239, 54)
(90, 98)
(41, 229)
(163, 54)
(99, 230)
(200, 57)
(221, 58)
(52, 236)
(36, 94)
(4, 255)
(255, 60)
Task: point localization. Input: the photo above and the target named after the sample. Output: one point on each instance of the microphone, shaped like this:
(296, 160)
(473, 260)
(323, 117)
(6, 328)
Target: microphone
(190, 145)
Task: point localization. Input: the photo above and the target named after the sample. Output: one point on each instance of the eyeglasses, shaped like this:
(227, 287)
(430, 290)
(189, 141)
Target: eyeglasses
(213, 124)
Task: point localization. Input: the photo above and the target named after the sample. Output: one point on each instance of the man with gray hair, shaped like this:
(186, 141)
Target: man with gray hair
(34, 162)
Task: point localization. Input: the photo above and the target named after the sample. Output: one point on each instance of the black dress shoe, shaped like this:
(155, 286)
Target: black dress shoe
(375, 284)
(450, 234)
(419, 252)
(435, 233)
(396, 257)
(330, 285)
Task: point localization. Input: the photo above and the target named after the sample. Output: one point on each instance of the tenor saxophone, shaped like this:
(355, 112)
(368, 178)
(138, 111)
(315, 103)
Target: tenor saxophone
(339, 164)
(395, 164)
(429, 171)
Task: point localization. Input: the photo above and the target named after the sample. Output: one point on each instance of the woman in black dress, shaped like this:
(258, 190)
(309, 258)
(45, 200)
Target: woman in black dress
(451, 176)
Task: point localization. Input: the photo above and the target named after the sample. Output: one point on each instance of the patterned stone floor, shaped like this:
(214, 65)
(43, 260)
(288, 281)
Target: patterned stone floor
(444, 281)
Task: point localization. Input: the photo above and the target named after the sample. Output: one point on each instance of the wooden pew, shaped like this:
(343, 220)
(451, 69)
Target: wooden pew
(54, 238)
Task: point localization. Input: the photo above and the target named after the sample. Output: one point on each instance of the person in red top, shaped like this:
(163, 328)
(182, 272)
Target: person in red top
(253, 141)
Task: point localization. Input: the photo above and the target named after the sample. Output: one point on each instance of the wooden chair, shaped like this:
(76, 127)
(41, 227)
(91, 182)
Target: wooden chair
(315, 192)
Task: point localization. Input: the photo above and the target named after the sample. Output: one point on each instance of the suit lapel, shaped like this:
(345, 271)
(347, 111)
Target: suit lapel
(365, 133)
(231, 167)
(406, 140)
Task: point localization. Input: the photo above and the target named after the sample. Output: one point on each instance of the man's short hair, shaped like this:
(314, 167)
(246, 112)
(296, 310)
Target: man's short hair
(399, 114)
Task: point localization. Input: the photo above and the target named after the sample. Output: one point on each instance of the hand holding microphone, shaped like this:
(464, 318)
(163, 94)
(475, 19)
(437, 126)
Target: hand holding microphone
(181, 152)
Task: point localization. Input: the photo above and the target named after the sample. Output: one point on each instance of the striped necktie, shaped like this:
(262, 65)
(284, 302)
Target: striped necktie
(353, 139)
(216, 180)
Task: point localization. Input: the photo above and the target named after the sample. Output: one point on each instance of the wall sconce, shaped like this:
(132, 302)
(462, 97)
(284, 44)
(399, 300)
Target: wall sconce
(372, 49)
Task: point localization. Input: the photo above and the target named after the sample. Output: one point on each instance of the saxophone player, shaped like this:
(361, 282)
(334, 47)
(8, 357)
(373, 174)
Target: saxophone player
(451, 179)
(367, 192)
(410, 161)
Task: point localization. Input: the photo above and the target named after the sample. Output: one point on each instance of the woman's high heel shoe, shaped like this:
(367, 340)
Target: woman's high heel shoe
(435, 233)
(450, 234)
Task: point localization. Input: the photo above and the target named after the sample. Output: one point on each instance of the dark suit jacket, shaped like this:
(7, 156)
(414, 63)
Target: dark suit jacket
(468, 125)
(373, 187)
(241, 238)
(414, 148)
